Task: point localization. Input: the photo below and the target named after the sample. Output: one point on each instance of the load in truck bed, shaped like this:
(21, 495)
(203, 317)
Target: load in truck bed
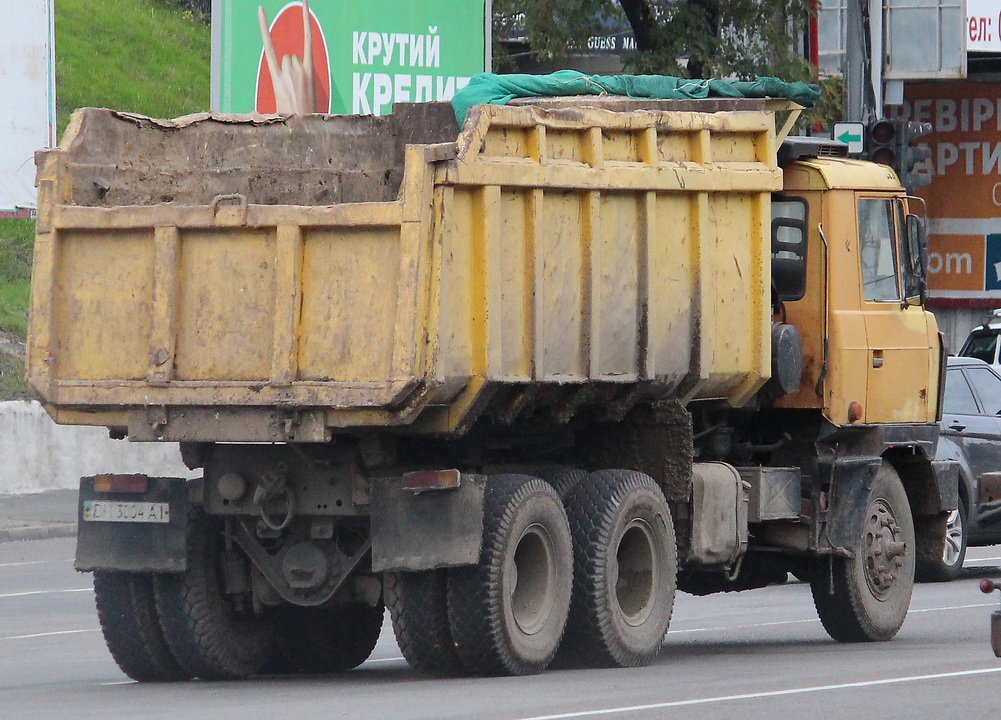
(223, 278)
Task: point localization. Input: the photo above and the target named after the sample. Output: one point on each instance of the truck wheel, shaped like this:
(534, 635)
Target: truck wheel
(418, 606)
(507, 613)
(865, 598)
(210, 636)
(315, 640)
(563, 480)
(943, 549)
(127, 612)
(625, 570)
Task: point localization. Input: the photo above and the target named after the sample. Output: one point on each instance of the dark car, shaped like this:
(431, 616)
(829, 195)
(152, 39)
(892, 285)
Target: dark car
(971, 434)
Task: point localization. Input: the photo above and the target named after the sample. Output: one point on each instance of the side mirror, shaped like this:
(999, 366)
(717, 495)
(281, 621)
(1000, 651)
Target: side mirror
(789, 234)
(916, 291)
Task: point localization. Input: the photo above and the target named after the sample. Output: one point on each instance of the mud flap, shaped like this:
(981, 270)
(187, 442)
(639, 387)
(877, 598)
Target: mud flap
(429, 529)
(133, 532)
(850, 481)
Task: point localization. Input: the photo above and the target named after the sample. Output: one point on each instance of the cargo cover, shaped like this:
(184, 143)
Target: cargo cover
(263, 278)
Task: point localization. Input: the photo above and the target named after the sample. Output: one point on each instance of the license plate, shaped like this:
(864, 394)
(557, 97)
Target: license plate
(129, 512)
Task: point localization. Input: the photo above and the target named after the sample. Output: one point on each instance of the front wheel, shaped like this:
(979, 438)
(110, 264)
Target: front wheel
(865, 597)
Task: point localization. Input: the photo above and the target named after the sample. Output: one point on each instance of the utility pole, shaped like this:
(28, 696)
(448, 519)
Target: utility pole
(864, 60)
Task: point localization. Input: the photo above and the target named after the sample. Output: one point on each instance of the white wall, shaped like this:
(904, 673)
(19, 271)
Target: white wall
(36, 454)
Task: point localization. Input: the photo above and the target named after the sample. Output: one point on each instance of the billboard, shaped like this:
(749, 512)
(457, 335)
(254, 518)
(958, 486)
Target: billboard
(964, 197)
(340, 56)
(28, 113)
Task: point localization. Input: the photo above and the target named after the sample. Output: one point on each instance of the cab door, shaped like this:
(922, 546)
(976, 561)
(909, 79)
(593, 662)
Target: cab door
(899, 333)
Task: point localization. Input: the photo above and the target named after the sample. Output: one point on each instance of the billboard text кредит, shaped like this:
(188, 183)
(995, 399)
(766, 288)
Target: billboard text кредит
(350, 57)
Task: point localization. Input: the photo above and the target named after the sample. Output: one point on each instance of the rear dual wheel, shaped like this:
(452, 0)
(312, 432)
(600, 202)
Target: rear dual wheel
(625, 570)
(209, 634)
(507, 614)
(126, 611)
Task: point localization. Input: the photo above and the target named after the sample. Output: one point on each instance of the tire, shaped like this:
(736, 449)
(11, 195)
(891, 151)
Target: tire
(507, 614)
(865, 598)
(942, 547)
(418, 607)
(315, 640)
(563, 480)
(126, 610)
(210, 638)
(625, 570)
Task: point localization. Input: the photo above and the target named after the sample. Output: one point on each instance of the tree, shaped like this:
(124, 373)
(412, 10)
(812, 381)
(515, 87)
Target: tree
(697, 38)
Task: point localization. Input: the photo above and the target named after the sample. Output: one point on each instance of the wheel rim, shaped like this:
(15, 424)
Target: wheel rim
(953, 538)
(533, 579)
(883, 551)
(636, 573)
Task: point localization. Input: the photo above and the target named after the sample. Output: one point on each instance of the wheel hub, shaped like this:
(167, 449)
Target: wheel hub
(883, 551)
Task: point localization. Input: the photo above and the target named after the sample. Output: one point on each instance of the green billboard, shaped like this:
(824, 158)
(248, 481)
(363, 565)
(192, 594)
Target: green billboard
(342, 56)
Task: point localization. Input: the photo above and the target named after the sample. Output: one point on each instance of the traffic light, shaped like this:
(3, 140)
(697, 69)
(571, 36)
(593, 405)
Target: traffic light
(881, 142)
(910, 154)
(892, 142)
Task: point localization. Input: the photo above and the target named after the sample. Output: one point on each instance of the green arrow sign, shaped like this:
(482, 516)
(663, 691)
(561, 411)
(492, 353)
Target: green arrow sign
(848, 136)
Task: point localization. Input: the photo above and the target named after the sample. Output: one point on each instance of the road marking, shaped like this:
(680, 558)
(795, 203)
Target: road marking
(765, 694)
(951, 607)
(382, 660)
(49, 634)
(815, 620)
(35, 562)
(45, 592)
(118, 682)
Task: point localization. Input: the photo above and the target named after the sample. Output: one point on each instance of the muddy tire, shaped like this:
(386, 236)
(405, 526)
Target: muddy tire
(315, 640)
(126, 610)
(865, 598)
(418, 606)
(941, 546)
(625, 570)
(507, 613)
(563, 480)
(210, 637)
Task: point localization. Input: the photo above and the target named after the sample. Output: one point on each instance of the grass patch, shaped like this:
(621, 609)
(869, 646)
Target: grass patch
(144, 56)
(12, 379)
(16, 241)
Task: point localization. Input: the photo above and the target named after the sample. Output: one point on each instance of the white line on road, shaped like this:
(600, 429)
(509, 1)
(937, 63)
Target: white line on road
(36, 562)
(766, 694)
(815, 620)
(49, 634)
(45, 592)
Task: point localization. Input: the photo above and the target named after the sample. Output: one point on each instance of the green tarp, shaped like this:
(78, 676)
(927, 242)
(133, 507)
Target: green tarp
(500, 89)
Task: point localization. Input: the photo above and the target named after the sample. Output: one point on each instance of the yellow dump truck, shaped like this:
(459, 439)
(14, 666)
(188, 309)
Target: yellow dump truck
(518, 382)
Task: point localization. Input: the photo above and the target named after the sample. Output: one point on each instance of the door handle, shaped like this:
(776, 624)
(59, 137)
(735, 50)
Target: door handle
(957, 427)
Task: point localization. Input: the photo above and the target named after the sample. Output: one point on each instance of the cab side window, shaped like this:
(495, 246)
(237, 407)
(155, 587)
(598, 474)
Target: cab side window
(877, 250)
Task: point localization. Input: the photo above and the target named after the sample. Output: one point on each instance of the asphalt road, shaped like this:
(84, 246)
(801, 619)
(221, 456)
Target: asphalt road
(760, 654)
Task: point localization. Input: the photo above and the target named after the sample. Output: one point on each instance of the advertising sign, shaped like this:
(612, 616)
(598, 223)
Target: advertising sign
(964, 197)
(28, 113)
(341, 56)
(983, 25)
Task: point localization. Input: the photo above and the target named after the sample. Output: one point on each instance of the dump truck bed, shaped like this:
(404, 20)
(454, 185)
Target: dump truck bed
(221, 278)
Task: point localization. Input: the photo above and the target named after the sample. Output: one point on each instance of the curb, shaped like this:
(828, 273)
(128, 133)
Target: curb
(39, 532)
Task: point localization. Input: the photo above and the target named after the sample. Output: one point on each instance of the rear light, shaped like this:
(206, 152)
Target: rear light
(121, 483)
